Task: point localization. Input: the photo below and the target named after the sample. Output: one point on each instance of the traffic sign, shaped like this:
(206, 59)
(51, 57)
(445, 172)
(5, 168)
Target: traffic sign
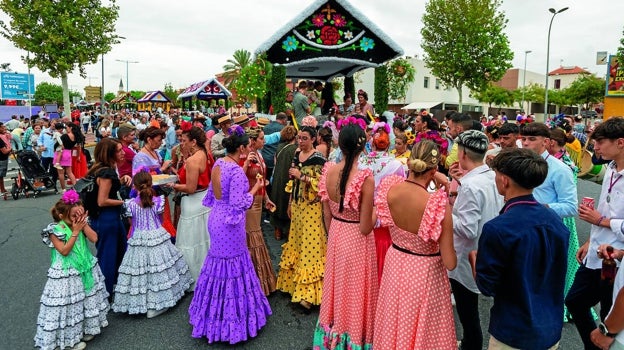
(15, 86)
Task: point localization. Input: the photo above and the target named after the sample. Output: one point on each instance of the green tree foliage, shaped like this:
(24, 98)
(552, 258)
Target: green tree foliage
(46, 93)
(381, 89)
(234, 66)
(349, 87)
(401, 74)
(171, 94)
(587, 90)
(496, 95)
(5, 67)
(109, 96)
(465, 43)
(277, 87)
(620, 50)
(136, 94)
(60, 35)
(252, 80)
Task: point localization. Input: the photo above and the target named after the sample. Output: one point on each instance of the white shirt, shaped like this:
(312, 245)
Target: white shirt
(614, 210)
(141, 126)
(477, 202)
(617, 285)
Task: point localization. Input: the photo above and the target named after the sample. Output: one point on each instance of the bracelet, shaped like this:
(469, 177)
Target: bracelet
(74, 236)
(600, 220)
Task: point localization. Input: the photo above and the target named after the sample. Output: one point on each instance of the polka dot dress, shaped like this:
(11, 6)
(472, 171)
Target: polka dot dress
(414, 307)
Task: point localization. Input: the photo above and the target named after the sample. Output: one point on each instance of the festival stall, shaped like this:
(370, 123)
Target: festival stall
(330, 38)
(153, 100)
(123, 101)
(207, 90)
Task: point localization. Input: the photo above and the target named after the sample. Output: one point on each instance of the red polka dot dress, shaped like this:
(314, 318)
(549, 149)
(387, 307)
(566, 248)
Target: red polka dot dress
(350, 287)
(414, 309)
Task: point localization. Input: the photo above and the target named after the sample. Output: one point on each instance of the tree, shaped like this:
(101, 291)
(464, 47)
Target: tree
(252, 80)
(586, 90)
(620, 50)
(171, 94)
(46, 93)
(60, 35)
(496, 95)
(381, 89)
(6, 67)
(233, 68)
(109, 96)
(136, 94)
(464, 43)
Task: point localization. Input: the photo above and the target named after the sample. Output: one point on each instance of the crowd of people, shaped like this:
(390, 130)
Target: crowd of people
(388, 224)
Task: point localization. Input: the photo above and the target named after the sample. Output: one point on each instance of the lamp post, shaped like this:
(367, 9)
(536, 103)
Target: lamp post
(524, 76)
(554, 13)
(102, 100)
(127, 79)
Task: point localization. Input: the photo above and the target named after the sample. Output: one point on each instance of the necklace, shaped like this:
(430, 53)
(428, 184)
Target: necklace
(235, 161)
(611, 184)
(417, 184)
(151, 152)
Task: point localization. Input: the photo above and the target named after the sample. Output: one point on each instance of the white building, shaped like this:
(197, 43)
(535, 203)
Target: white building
(426, 91)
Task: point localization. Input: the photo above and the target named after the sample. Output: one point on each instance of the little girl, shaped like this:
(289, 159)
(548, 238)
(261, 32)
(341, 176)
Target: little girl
(74, 302)
(153, 275)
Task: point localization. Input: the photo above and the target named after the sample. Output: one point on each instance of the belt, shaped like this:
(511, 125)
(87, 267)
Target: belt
(403, 250)
(345, 220)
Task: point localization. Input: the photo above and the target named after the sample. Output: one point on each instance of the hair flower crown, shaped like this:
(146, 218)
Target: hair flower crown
(70, 197)
(352, 120)
(237, 130)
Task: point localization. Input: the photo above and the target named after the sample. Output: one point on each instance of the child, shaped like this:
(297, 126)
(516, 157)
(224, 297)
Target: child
(58, 144)
(153, 275)
(74, 302)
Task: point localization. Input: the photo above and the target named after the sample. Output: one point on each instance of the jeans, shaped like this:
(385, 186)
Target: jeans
(111, 243)
(586, 291)
(467, 305)
(49, 168)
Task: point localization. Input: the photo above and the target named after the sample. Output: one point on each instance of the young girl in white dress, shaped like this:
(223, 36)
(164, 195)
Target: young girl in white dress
(153, 275)
(74, 302)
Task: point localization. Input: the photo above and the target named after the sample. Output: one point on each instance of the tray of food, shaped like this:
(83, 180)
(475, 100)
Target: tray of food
(161, 179)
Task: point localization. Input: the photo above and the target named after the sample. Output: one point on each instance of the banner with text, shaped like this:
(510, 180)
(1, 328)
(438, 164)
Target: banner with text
(615, 77)
(15, 86)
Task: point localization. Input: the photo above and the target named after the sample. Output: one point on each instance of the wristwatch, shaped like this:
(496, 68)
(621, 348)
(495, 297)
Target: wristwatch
(605, 331)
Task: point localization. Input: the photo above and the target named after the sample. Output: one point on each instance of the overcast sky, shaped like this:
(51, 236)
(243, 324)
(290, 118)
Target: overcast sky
(183, 42)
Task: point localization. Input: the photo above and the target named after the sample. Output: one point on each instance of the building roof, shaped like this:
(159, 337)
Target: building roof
(569, 70)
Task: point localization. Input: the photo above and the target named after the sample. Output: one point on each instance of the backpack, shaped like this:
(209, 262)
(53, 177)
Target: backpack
(87, 190)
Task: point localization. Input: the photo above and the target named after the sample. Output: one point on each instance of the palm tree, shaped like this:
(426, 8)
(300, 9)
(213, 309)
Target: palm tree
(241, 59)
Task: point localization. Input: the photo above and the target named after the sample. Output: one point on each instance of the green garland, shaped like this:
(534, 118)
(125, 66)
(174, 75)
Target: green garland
(277, 88)
(381, 89)
(401, 74)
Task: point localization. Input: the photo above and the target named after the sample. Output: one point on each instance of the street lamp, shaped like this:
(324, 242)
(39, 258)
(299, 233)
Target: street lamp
(554, 13)
(524, 76)
(127, 79)
(102, 100)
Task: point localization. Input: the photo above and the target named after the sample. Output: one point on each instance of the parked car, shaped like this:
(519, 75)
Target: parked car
(589, 114)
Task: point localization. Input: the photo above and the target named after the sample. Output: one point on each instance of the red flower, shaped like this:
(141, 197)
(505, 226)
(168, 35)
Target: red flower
(339, 21)
(329, 35)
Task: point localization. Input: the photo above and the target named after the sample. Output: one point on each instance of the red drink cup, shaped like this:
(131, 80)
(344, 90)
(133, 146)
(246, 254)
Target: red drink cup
(588, 202)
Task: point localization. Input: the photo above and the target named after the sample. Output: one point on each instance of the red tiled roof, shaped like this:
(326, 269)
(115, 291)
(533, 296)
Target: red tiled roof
(568, 70)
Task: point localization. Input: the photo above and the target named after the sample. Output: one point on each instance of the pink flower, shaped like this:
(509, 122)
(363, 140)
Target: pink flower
(318, 20)
(339, 21)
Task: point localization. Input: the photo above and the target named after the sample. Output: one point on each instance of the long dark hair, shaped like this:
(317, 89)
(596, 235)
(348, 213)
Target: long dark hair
(78, 136)
(143, 184)
(197, 134)
(351, 141)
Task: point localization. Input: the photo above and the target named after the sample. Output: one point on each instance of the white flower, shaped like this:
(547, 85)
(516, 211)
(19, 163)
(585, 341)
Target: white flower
(311, 34)
(348, 35)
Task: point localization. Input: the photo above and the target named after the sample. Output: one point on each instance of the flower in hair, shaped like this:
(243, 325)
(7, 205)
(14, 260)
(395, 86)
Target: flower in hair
(410, 137)
(237, 130)
(381, 125)
(185, 126)
(329, 124)
(351, 120)
(309, 120)
(70, 197)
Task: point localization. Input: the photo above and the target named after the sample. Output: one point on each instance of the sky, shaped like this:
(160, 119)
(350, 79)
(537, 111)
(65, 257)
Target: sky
(184, 42)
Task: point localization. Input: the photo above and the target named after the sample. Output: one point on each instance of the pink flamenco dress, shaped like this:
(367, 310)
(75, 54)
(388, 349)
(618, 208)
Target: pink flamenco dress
(350, 287)
(414, 309)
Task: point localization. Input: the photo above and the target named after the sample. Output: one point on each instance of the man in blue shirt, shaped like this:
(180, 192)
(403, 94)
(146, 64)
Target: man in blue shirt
(522, 258)
(46, 147)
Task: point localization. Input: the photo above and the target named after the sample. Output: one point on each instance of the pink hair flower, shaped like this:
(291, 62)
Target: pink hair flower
(70, 197)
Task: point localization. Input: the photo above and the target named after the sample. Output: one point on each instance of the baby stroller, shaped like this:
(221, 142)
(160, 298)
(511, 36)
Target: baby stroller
(31, 176)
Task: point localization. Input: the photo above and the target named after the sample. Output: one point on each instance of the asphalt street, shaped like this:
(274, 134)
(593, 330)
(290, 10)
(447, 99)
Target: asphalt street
(24, 261)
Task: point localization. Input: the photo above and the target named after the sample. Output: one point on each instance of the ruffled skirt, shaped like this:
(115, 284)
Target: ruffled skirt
(228, 305)
(192, 237)
(258, 249)
(153, 274)
(67, 312)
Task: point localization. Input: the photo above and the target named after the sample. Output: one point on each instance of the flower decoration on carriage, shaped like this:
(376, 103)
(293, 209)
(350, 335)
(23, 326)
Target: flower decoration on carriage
(71, 197)
(351, 120)
(328, 28)
(237, 130)
(410, 137)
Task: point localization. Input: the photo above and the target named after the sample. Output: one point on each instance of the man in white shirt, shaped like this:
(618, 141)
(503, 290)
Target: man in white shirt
(607, 229)
(85, 120)
(218, 151)
(477, 202)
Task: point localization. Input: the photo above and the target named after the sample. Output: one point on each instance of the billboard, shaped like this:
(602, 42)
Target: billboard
(615, 77)
(15, 86)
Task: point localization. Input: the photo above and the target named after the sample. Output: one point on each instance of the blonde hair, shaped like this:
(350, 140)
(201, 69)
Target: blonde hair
(425, 156)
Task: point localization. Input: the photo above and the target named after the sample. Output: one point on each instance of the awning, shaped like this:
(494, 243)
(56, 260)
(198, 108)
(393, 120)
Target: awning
(421, 104)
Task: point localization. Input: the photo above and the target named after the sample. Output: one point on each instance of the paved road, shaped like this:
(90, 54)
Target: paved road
(24, 261)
